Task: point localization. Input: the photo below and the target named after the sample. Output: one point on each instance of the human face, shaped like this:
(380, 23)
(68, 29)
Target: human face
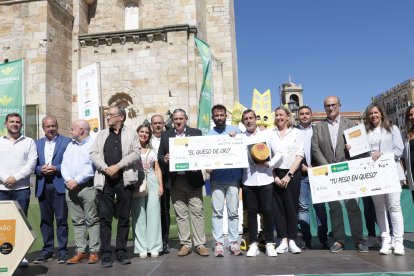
(143, 135)
(281, 119)
(249, 121)
(13, 125)
(305, 117)
(113, 117)
(76, 131)
(411, 116)
(375, 116)
(50, 128)
(157, 125)
(331, 105)
(219, 117)
(179, 121)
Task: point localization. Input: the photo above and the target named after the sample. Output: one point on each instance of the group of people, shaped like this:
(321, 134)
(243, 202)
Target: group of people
(96, 179)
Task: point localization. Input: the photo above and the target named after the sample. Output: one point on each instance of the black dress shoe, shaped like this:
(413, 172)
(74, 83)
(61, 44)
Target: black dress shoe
(106, 261)
(123, 259)
(44, 257)
(165, 248)
(324, 245)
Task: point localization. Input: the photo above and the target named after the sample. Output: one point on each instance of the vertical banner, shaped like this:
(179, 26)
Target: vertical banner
(204, 110)
(88, 96)
(11, 91)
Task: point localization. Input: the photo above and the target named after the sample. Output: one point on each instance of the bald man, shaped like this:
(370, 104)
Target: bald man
(78, 172)
(328, 146)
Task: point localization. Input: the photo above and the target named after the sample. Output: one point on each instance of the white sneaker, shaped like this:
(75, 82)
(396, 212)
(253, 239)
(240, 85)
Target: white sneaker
(253, 250)
(155, 254)
(385, 248)
(282, 248)
(392, 243)
(270, 249)
(373, 242)
(143, 255)
(293, 248)
(399, 249)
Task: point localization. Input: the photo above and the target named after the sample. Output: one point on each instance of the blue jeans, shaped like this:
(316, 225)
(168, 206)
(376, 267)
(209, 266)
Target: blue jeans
(21, 196)
(305, 200)
(228, 191)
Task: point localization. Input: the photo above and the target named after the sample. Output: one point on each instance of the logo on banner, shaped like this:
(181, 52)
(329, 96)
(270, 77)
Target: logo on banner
(7, 71)
(7, 236)
(340, 167)
(320, 171)
(5, 100)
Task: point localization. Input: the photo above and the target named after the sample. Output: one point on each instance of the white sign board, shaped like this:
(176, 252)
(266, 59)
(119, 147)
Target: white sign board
(207, 152)
(88, 96)
(357, 138)
(16, 236)
(353, 179)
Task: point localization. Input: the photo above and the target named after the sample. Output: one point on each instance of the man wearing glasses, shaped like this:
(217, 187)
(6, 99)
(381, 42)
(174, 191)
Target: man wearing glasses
(115, 155)
(328, 146)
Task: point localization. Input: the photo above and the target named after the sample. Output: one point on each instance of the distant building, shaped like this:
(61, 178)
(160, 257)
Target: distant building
(396, 100)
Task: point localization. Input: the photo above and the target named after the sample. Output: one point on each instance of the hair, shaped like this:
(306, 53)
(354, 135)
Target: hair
(218, 107)
(409, 127)
(148, 144)
(49, 117)
(303, 107)
(83, 124)
(248, 111)
(157, 115)
(177, 110)
(384, 121)
(13, 115)
(121, 111)
(336, 97)
(288, 113)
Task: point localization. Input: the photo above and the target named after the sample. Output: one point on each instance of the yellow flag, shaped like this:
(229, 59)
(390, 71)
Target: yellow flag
(238, 109)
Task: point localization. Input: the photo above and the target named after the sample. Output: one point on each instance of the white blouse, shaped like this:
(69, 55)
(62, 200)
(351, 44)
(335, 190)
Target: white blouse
(291, 145)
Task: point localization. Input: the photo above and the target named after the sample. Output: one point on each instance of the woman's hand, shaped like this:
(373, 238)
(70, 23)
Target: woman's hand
(278, 182)
(375, 155)
(160, 190)
(285, 181)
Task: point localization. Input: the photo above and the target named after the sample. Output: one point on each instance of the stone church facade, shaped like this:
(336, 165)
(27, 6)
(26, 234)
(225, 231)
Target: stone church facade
(145, 50)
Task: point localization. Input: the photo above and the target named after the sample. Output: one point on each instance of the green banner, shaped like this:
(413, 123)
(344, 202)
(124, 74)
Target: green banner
(11, 91)
(204, 110)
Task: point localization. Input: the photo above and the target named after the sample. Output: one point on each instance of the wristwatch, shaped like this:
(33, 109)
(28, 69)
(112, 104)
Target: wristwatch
(290, 174)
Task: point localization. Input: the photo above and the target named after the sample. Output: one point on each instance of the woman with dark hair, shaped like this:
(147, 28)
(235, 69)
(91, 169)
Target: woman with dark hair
(287, 179)
(385, 138)
(145, 209)
(408, 138)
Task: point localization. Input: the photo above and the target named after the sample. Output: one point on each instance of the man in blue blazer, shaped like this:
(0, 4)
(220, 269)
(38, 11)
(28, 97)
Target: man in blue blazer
(50, 190)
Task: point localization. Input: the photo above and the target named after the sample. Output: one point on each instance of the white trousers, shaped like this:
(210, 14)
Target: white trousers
(389, 203)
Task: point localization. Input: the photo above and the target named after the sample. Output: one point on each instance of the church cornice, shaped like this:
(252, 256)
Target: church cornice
(135, 36)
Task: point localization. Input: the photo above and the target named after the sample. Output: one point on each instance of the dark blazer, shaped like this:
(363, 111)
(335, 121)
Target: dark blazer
(57, 179)
(322, 149)
(195, 178)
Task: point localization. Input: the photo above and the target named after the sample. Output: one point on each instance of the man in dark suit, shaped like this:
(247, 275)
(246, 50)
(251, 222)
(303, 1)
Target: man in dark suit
(50, 190)
(186, 189)
(328, 146)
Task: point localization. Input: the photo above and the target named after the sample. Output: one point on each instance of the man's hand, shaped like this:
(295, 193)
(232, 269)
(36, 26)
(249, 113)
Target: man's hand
(10, 181)
(72, 184)
(265, 164)
(112, 171)
(48, 169)
(167, 158)
(209, 171)
(304, 168)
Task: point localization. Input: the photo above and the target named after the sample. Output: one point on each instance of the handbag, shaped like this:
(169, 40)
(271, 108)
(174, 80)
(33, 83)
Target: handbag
(142, 189)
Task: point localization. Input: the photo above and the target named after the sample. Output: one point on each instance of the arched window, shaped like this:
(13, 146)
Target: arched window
(131, 16)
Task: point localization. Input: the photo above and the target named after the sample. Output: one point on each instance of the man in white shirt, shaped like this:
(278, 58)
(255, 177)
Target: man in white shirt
(157, 126)
(18, 162)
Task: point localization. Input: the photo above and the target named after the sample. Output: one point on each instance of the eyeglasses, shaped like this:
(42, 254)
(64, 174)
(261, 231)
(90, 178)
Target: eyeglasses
(109, 115)
(327, 106)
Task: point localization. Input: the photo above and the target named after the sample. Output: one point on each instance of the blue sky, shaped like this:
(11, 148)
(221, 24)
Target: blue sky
(354, 49)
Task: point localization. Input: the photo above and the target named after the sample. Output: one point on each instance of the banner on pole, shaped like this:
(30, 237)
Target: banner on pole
(11, 91)
(88, 96)
(204, 110)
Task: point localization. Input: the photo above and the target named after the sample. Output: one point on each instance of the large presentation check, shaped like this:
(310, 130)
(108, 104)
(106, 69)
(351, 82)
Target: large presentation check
(207, 152)
(356, 178)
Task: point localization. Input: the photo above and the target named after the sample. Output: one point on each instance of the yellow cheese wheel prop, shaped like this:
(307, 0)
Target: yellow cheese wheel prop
(260, 152)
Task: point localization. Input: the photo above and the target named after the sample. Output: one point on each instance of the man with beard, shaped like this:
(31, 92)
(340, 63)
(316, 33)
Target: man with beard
(225, 185)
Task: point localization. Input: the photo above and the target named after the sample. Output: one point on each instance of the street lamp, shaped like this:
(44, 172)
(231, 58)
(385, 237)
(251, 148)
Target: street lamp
(293, 107)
